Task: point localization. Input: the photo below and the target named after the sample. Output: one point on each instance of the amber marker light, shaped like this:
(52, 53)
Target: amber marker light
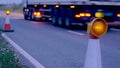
(57, 6)
(35, 5)
(82, 14)
(44, 5)
(77, 16)
(88, 14)
(72, 6)
(118, 15)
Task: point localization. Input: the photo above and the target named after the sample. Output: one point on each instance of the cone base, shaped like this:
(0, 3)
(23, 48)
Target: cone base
(7, 27)
(8, 30)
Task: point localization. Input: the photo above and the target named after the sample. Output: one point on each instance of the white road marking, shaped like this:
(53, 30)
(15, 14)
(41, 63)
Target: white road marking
(115, 29)
(23, 52)
(33, 22)
(81, 34)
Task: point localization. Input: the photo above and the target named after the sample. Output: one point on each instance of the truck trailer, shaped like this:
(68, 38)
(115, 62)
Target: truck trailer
(69, 13)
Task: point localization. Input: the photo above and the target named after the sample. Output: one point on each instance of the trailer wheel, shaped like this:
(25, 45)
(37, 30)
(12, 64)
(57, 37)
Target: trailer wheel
(32, 17)
(68, 23)
(25, 17)
(60, 22)
(54, 21)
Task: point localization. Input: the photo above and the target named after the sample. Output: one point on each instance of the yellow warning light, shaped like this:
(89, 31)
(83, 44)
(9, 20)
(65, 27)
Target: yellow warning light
(99, 14)
(72, 6)
(98, 27)
(35, 5)
(8, 12)
(57, 6)
(44, 5)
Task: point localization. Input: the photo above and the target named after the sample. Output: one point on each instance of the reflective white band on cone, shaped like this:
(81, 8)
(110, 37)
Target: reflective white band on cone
(7, 20)
(7, 23)
(93, 55)
(7, 26)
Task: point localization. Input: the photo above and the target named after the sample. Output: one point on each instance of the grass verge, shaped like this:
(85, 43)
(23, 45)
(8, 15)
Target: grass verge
(13, 7)
(8, 57)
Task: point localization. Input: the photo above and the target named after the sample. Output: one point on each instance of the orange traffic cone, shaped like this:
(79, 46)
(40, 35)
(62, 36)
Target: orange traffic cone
(7, 27)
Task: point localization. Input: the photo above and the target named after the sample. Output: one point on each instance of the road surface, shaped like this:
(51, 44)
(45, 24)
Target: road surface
(56, 47)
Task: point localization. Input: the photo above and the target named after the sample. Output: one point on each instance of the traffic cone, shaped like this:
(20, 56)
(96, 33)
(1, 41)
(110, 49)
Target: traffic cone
(93, 55)
(7, 26)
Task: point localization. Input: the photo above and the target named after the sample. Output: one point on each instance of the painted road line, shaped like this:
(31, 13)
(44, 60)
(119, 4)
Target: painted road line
(23, 52)
(36, 23)
(115, 29)
(77, 33)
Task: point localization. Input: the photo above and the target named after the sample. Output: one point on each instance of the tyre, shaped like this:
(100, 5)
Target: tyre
(60, 22)
(54, 20)
(25, 17)
(32, 17)
(68, 23)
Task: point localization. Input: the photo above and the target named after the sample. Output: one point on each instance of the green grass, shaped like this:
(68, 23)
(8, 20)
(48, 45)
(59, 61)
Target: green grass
(13, 8)
(8, 57)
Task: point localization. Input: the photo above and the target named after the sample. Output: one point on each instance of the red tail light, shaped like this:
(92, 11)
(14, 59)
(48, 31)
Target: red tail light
(42, 12)
(118, 15)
